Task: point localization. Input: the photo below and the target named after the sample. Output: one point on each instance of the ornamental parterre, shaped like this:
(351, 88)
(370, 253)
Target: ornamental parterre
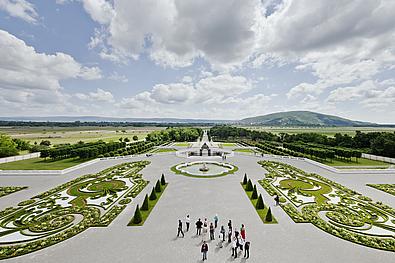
(311, 198)
(6, 190)
(64, 211)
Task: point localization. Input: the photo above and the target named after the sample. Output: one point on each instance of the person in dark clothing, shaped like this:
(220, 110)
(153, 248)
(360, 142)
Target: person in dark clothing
(199, 225)
(247, 249)
(222, 232)
(180, 229)
(230, 225)
(229, 236)
(277, 200)
(204, 250)
(211, 231)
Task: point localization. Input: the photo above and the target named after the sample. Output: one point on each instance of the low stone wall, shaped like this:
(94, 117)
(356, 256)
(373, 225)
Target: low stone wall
(19, 157)
(378, 158)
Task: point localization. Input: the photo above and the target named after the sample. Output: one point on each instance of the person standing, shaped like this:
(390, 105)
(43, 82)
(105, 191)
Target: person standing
(180, 229)
(199, 224)
(243, 232)
(230, 225)
(205, 231)
(212, 231)
(222, 232)
(241, 243)
(234, 248)
(204, 250)
(229, 235)
(277, 199)
(247, 249)
(187, 222)
(215, 220)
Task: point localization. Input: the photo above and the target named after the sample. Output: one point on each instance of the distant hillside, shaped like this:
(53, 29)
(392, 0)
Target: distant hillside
(302, 118)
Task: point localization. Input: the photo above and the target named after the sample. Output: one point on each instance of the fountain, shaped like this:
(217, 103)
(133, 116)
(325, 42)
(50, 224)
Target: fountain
(204, 168)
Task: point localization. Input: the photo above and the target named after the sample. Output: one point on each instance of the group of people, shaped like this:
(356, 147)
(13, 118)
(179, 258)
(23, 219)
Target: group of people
(235, 237)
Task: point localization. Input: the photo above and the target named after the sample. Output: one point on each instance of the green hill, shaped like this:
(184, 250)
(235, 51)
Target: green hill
(301, 118)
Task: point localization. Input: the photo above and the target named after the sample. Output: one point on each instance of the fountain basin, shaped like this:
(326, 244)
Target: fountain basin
(204, 169)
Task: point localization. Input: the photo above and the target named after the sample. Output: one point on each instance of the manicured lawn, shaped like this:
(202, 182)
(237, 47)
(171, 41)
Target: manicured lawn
(164, 150)
(228, 144)
(42, 164)
(361, 162)
(151, 205)
(243, 150)
(182, 144)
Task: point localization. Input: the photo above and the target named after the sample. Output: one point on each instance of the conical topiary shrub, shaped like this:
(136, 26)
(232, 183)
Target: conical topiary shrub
(162, 180)
(254, 193)
(259, 203)
(249, 186)
(269, 217)
(145, 206)
(137, 216)
(157, 187)
(152, 195)
(245, 180)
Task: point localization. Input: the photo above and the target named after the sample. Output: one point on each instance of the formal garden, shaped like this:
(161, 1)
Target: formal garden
(342, 212)
(92, 200)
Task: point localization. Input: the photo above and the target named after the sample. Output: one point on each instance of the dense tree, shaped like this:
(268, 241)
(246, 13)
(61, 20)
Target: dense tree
(153, 194)
(269, 217)
(254, 193)
(137, 216)
(259, 203)
(7, 146)
(145, 205)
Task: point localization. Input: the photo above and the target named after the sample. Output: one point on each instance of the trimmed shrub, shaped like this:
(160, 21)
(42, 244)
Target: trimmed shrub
(162, 180)
(254, 193)
(249, 187)
(269, 217)
(245, 180)
(259, 203)
(152, 195)
(157, 187)
(144, 207)
(137, 216)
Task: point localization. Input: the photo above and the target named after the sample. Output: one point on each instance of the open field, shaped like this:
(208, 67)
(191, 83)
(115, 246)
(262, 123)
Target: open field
(329, 131)
(60, 135)
(42, 164)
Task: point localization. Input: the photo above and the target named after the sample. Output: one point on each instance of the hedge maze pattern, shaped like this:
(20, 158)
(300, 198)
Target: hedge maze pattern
(311, 198)
(6, 190)
(92, 200)
(388, 188)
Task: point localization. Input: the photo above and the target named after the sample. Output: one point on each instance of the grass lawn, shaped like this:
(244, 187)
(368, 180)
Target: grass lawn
(361, 162)
(261, 212)
(228, 144)
(182, 144)
(151, 205)
(243, 150)
(164, 150)
(42, 164)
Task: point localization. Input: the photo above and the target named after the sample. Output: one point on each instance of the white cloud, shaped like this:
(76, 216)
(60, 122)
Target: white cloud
(34, 78)
(21, 9)
(117, 77)
(176, 32)
(100, 11)
(98, 96)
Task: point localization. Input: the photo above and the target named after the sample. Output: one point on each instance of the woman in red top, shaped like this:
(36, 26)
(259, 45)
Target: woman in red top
(243, 232)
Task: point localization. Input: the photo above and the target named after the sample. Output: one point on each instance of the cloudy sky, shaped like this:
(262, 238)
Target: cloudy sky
(224, 59)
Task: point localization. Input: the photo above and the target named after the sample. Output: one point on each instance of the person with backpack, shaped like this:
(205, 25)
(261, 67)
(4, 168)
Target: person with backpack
(204, 250)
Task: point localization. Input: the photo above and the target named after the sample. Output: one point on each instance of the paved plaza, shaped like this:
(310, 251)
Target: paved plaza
(156, 240)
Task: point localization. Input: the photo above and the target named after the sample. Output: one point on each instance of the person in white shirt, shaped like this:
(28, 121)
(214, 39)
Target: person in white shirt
(234, 248)
(187, 222)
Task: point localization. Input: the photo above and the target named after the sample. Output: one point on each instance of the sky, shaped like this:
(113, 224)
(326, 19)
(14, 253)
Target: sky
(222, 59)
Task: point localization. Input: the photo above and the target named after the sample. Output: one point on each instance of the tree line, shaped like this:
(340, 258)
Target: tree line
(175, 134)
(344, 145)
